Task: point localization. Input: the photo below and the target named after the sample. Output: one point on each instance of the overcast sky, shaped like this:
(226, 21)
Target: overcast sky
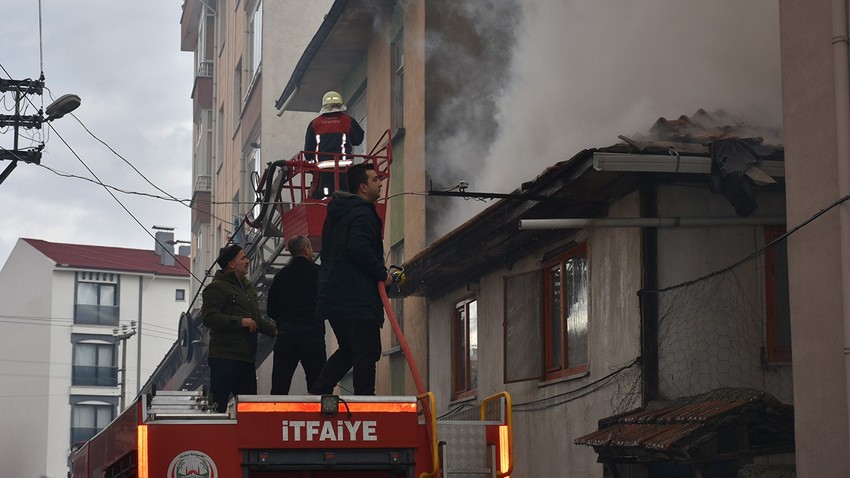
(124, 61)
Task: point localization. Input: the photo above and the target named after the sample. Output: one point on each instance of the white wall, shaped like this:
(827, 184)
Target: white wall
(715, 327)
(159, 322)
(613, 341)
(26, 331)
(36, 353)
(288, 26)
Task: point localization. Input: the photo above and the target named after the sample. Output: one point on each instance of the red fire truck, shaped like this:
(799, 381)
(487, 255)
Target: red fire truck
(175, 435)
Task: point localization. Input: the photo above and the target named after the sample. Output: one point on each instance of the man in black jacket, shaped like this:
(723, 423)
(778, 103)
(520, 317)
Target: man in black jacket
(292, 304)
(351, 269)
(232, 314)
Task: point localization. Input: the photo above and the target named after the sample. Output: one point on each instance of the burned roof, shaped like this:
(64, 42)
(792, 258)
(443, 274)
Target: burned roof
(738, 421)
(582, 186)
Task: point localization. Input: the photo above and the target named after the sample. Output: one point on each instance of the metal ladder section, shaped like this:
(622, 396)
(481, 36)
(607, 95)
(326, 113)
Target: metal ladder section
(464, 450)
(180, 405)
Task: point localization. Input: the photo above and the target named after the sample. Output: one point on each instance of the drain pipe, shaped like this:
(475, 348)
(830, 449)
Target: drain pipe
(841, 61)
(577, 223)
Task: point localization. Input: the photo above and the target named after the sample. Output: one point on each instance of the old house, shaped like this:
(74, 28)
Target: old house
(604, 285)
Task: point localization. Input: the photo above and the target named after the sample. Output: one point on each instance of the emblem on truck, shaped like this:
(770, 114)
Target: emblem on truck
(192, 464)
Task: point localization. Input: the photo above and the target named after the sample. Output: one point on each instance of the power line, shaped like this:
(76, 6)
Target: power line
(166, 249)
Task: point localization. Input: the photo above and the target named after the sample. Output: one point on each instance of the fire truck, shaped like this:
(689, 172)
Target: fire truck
(175, 433)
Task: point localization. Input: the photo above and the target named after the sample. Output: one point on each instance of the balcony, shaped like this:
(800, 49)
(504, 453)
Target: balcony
(205, 69)
(89, 375)
(96, 314)
(82, 434)
(201, 207)
(203, 183)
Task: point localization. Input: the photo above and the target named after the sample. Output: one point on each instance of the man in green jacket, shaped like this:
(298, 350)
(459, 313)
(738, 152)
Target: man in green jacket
(232, 315)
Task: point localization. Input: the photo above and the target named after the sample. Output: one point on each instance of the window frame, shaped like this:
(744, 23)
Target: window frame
(111, 371)
(254, 40)
(397, 82)
(77, 407)
(462, 386)
(104, 314)
(775, 354)
(550, 371)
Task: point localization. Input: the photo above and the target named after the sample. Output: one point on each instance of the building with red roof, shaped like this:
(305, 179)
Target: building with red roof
(65, 310)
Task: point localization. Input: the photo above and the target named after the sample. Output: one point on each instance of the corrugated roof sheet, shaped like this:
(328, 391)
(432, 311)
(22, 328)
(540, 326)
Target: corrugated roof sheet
(109, 258)
(672, 426)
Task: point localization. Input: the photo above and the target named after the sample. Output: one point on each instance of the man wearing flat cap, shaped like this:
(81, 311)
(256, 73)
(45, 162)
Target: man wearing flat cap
(232, 315)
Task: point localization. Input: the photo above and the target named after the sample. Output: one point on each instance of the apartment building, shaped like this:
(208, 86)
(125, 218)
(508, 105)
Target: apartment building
(241, 48)
(63, 363)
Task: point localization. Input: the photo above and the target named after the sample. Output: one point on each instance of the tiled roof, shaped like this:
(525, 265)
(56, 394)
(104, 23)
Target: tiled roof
(109, 258)
(680, 427)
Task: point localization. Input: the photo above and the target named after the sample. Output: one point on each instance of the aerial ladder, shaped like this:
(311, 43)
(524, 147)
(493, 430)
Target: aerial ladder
(177, 434)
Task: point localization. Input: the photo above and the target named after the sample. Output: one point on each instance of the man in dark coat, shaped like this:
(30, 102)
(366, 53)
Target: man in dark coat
(351, 269)
(232, 315)
(334, 133)
(292, 305)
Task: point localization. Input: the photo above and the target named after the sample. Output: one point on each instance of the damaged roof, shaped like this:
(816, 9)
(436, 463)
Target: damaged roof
(581, 187)
(699, 428)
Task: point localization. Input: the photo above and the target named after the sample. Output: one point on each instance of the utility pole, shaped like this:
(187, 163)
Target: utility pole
(122, 337)
(17, 121)
(59, 108)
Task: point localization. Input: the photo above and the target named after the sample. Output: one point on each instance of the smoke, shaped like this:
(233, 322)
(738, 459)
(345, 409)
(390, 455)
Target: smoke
(580, 73)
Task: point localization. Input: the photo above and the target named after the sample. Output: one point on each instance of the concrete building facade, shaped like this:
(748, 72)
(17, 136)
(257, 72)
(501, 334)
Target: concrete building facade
(62, 364)
(816, 108)
(241, 47)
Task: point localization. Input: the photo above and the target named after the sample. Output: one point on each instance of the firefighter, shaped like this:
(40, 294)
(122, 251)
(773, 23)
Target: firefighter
(232, 314)
(334, 133)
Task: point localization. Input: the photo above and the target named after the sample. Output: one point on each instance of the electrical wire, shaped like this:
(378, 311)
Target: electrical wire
(570, 394)
(756, 253)
(166, 249)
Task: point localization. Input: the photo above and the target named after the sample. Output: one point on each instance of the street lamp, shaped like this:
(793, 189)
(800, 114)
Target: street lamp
(59, 108)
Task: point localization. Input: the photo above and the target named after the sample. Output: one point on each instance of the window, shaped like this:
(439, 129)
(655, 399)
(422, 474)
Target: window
(96, 302)
(566, 314)
(523, 342)
(357, 110)
(397, 51)
(777, 309)
(465, 349)
(88, 419)
(206, 34)
(237, 94)
(94, 364)
(253, 173)
(255, 32)
(180, 294)
(222, 24)
(397, 254)
(219, 147)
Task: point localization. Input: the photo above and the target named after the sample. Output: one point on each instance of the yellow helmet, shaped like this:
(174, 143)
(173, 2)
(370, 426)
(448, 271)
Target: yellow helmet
(332, 98)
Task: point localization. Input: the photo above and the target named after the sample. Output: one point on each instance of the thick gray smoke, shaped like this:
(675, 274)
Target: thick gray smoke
(582, 72)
